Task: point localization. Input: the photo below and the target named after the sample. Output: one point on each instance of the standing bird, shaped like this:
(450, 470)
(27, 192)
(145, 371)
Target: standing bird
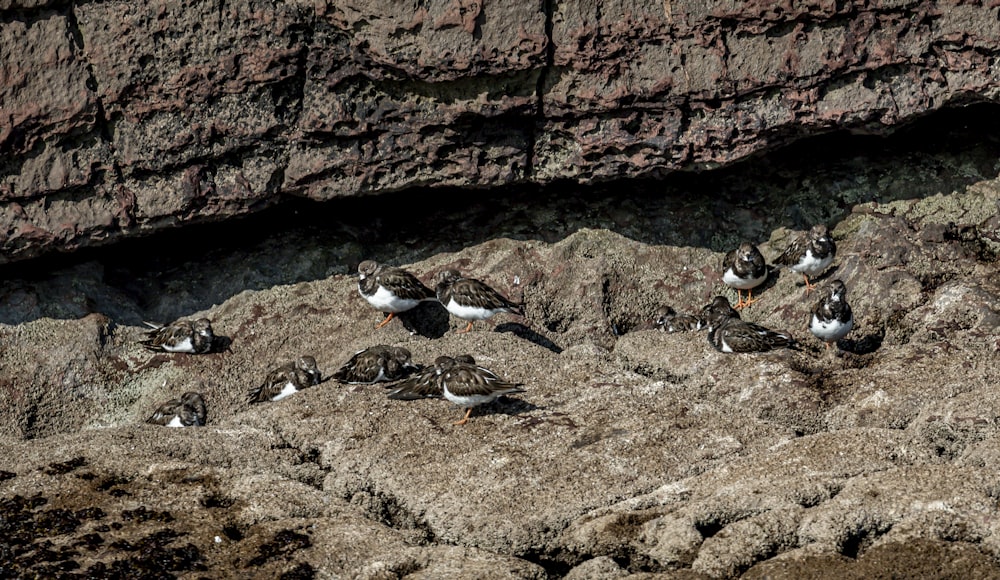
(832, 318)
(286, 380)
(427, 383)
(390, 290)
(187, 411)
(809, 254)
(470, 299)
(469, 385)
(744, 269)
(667, 319)
(376, 363)
(727, 333)
(181, 336)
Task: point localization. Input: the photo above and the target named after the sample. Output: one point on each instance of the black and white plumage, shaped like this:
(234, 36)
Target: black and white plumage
(426, 384)
(187, 411)
(181, 336)
(390, 290)
(471, 299)
(459, 380)
(375, 364)
(832, 318)
(728, 333)
(809, 254)
(744, 269)
(669, 320)
(287, 379)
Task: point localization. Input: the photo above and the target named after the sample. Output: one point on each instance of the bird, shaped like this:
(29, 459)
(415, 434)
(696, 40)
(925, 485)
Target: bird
(458, 379)
(832, 318)
(180, 336)
(809, 254)
(469, 385)
(744, 269)
(470, 299)
(391, 290)
(729, 334)
(287, 379)
(667, 319)
(427, 382)
(187, 411)
(376, 363)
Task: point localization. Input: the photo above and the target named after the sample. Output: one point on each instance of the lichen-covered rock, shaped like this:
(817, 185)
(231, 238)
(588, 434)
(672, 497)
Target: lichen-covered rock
(631, 450)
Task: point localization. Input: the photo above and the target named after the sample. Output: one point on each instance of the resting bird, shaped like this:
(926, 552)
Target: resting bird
(727, 333)
(187, 411)
(374, 364)
(181, 336)
(809, 254)
(390, 290)
(460, 380)
(832, 318)
(470, 299)
(744, 269)
(667, 319)
(286, 380)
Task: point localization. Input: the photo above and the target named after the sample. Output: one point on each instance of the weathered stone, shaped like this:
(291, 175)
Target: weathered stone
(631, 452)
(131, 118)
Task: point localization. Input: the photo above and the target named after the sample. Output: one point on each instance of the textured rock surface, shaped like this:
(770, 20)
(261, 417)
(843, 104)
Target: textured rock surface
(632, 452)
(123, 118)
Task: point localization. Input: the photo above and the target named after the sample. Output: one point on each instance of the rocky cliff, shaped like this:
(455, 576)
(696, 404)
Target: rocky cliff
(631, 453)
(123, 118)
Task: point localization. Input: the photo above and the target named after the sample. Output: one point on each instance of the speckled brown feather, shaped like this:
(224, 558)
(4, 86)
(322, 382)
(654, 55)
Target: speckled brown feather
(745, 261)
(669, 320)
(396, 280)
(474, 293)
(162, 337)
(817, 240)
(190, 407)
(376, 363)
(303, 373)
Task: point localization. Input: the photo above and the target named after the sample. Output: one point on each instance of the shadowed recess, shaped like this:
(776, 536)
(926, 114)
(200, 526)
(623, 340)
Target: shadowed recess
(817, 180)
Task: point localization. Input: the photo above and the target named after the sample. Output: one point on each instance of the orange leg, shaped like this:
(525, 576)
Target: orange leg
(809, 287)
(743, 303)
(386, 321)
(468, 413)
(467, 329)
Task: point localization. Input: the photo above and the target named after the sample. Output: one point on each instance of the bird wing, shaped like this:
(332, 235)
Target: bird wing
(471, 292)
(363, 367)
(273, 384)
(466, 380)
(421, 386)
(405, 285)
(793, 252)
(167, 335)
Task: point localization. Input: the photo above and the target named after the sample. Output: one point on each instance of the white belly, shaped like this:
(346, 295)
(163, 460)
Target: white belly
(831, 330)
(175, 422)
(289, 389)
(385, 301)
(182, 346)
(469, 312)
(725, 346)
(468, 401)
(735, 281)
(811, 265)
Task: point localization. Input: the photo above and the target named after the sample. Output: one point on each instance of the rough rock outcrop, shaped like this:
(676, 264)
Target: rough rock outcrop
(122, 118)
(631, 451)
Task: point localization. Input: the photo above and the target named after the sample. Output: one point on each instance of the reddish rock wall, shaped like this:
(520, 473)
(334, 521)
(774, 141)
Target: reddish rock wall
(119, 119)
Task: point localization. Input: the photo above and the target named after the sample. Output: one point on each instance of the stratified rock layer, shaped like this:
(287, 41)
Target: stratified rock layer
(123, 118)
